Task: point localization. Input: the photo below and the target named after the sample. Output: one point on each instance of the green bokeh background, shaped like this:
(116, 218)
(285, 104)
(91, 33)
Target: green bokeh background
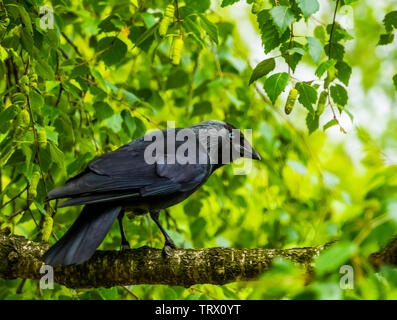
(308, 190)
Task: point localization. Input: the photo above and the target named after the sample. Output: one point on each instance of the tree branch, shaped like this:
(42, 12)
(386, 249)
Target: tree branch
(387, 255)
(332, 30)
(21, 258)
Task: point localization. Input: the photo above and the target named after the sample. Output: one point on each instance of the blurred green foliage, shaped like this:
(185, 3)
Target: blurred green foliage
(104, 76)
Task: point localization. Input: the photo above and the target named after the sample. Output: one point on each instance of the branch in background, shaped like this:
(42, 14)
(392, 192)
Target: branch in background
(21, 258)
(71, 44)
(14, 197)
(387, 255)
(332, 30)
(58, 77)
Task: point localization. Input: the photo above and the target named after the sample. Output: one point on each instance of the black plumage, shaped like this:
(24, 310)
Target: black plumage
(123, 180)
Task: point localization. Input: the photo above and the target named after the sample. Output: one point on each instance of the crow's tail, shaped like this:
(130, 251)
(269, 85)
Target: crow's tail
(85, 235)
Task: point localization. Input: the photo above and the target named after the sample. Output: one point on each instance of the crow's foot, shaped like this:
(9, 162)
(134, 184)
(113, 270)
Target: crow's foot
(125, 246)
(168, 247)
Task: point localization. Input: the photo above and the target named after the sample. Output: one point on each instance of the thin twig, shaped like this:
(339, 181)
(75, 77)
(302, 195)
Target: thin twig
(131, 293)
(178, 18)
(289, 47)
(303, 140)
(190, 88)
(334, 114)
(71, 44)
(290, 42)
(20, 286)
(13, 198)
(332, 30)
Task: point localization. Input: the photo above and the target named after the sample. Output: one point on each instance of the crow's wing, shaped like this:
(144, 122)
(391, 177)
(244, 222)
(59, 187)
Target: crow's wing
(122, 169)
(125, 162)
(179, 177)
(124, 174)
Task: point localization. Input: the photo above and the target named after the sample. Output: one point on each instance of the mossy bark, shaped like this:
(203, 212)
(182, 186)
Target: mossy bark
(21, 258)
(387, 255)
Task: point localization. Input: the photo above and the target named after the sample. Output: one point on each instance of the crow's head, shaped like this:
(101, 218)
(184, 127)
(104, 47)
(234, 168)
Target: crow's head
(219, 136)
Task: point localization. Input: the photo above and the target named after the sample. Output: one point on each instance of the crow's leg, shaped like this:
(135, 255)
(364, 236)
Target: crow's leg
(124, 243)
(154, 214)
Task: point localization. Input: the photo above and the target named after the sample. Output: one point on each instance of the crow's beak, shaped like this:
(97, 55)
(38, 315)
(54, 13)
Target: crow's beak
(250, 152)
(256, 155)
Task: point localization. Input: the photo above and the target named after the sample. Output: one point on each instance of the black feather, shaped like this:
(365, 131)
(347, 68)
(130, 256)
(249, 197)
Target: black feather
(123, 179)
(85, 235)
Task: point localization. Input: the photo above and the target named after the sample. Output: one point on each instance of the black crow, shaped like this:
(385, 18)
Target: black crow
(148, 174)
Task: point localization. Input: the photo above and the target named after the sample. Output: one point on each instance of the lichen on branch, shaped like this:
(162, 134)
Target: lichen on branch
(21, 258)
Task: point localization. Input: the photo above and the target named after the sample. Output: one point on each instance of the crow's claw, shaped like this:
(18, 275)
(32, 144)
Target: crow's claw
(124, 246)
(168, 247)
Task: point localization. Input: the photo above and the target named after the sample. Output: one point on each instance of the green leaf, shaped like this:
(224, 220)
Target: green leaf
(25, 19)
(113, 50)
(334, 257)
(36, 100)
(108, 25)
(385, 39)
(297, 50)
(292, 53)
(44, 70)
(57, 155)
(52, 38)
(8, 114)
(49, 85)
(338, 33)
(27, 40)
(210, 28)
(275, 84)
(148, 19)
(308, 7)
(193, 207)
(131, 98)
(3, 54)
(269, 34)
(98, 77)
(395, 81)
(190, 25)
(79, 71)
(51, 133)
(17, 158)
(312, 121)
(102, 110)
(128, 121)
(226, 3)
(330, 124)
(282, 17)
(177, 79)
(307, 95)
(319, 33)
(315, 49)
(201, 108)
(344, 72)
(198, 227)
(323, 67)
(108, 293)
(390, 21)
(142, 37)
(339, 95)
(262, 69)
(115, 122)
(198, 5)
(337, 51)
